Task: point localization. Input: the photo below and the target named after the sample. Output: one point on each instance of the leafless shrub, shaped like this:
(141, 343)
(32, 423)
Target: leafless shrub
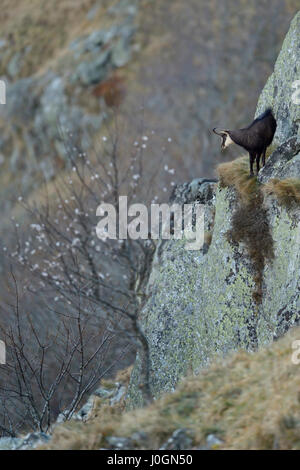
(52, 371)
(61, 260)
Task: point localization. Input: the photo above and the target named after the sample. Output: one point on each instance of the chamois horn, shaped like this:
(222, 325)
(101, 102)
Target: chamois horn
(218, 133)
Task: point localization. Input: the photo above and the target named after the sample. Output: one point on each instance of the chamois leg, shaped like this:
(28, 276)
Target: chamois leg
(264, 156)
(251, 160)
(257, 162)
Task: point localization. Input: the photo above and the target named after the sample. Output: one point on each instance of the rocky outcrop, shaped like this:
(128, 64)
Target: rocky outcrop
(280, 91)
(28, 442)
(201, 302)
(284, 161)
(112, 394)
(102, 51)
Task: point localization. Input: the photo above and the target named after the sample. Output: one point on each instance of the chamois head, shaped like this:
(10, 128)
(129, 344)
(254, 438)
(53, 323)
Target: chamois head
(226, 139)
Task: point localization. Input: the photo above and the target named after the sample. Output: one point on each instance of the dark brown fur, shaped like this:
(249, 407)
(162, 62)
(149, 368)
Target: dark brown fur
(254, 138)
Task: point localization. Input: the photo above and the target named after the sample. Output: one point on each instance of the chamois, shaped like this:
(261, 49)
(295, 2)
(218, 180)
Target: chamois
(254, 138)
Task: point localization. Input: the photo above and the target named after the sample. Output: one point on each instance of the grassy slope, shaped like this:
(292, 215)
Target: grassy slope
(250, 401)
(46, 27)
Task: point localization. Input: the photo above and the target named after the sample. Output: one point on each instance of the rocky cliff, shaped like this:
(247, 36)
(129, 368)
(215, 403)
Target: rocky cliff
(228, 296)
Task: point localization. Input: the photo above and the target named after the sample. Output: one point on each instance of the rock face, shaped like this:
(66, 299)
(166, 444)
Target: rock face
(284, 161)
(281, 91)
(201, 302)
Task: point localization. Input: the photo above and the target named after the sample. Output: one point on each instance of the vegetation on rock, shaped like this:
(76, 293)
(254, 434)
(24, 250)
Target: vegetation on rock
(248, 401)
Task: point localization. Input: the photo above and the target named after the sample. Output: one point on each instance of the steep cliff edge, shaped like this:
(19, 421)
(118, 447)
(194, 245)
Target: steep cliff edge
(202, 303)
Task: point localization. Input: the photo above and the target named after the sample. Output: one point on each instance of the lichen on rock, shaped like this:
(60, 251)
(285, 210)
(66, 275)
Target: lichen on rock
(201, 303)
(280, 89)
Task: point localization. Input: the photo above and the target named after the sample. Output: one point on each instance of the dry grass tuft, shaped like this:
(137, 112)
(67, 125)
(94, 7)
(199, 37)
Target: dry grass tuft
(286, 191)
(236, 174)
(250, 401)
(124, 375)
(208, 238)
